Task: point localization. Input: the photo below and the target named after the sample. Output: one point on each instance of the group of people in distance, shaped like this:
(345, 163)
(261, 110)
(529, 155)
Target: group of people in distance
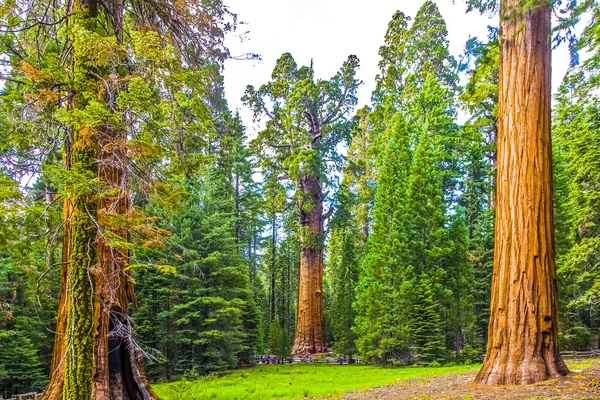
(273, 359)
(270, 359)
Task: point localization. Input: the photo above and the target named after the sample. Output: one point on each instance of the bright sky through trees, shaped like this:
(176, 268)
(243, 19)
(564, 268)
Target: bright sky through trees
(327, 31)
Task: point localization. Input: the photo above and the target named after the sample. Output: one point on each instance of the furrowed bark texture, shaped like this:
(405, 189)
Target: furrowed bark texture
(57, 366)
(79, 360)
(96, 357)
(523, 331)
(119, 372)
(309, 337)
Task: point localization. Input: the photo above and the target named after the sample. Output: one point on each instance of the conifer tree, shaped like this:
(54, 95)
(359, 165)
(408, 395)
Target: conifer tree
(426, 322)
(429, 244)
(381, 319)
(480, 99)
(341, 275)
(206, 304)
(460, 280)
(74, 67)
(360, 171)
(278, 341)
(428, 52)
(433, 107)
(412, 52)
(26, 306)
(576, 130)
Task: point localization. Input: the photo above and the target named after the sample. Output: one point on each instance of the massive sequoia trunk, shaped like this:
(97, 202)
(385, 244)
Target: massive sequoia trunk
(309, 336)
(104, 362)
(523, 331)
(118, 363)
(95, 356)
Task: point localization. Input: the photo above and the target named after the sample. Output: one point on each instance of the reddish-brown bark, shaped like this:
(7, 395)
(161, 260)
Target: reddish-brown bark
(523, 331)
(309, 337)
(118, 364)
(54, 388)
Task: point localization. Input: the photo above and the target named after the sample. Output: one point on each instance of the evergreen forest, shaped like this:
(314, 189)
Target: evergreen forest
(149, 234)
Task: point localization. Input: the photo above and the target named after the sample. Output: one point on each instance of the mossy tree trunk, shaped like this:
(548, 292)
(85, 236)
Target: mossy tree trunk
(523, 330)
(79, 359)
(95, 356)
(79, 346)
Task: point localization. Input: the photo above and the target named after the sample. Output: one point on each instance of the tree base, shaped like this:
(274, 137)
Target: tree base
(499, 370)
(118, 377)
(303, 349)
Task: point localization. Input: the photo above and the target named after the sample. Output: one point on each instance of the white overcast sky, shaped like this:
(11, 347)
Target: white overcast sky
(327, 31)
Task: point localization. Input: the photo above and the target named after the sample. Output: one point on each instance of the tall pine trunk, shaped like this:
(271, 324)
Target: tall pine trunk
(309, 337)
(273, 264)
(523, 330)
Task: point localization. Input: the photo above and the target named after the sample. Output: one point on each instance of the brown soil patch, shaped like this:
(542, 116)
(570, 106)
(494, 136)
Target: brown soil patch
(579, 385)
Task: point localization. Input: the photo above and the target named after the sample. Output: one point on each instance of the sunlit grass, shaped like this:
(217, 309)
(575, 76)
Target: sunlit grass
(579, 364)
(294, 381)
(304, 380)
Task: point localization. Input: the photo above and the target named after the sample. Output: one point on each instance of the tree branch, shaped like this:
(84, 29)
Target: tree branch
(337, 108)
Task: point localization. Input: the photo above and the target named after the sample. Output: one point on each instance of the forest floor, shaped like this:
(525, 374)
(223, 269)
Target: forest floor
(582, 384)
(353, 382)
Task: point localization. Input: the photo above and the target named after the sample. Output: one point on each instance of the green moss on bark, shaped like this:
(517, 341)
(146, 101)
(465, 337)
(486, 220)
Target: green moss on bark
(79, 362)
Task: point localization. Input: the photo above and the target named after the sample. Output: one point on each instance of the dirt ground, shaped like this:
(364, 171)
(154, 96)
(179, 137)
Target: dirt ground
(581, 384)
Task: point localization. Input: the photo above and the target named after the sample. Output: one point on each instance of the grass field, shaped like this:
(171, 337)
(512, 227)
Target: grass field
(293, 381)
(303, 380)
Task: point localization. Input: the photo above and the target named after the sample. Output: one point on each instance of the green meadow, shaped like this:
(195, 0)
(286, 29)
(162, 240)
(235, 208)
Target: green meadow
(294, 381)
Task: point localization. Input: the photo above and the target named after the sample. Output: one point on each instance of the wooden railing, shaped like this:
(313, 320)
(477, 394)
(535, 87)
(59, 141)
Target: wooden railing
(25, 396)
(592, 353)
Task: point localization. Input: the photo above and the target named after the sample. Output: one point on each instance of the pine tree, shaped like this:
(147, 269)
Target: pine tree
(433, 109)
(460, 281)
(480, 98)
(426, 322)
(27, 306)
(428, 52)
(359, 175)
(576, 212)
(278, 341)
(381, 322)
(391, 80)
(75, 75)
(412, 52)
(429, 244)
(20, 369)
(341, 275)
(210, 310)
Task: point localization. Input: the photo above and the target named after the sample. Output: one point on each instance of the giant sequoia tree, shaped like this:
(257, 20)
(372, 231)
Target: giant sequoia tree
(523, 332)
(74, 68)
(306, 120)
